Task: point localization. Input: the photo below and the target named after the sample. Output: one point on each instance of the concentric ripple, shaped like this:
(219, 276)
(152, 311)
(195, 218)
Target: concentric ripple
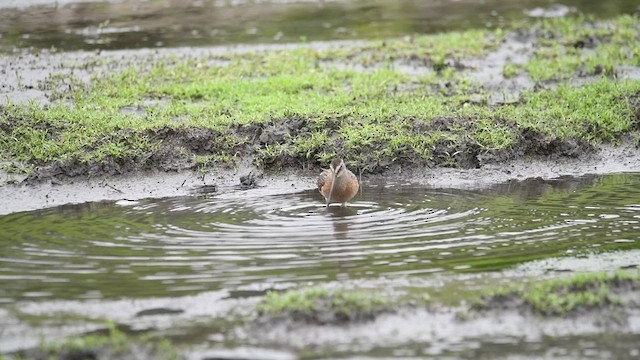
(240, 241)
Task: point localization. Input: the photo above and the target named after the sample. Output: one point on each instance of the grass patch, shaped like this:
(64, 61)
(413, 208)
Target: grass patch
(113, 344)
(581, 46)
(510, 70)
(561, 296)
(433, 50)
(316, 305)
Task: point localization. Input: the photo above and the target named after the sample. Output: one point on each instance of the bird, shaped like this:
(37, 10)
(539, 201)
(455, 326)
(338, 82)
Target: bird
(337, 184)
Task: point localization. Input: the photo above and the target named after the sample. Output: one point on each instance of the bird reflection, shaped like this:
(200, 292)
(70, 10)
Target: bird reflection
(339, 217)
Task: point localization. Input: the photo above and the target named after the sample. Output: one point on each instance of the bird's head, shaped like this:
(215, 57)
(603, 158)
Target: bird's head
(337, 165)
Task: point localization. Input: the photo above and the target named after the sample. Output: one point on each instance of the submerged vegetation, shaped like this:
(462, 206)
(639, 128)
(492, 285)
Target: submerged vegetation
(416, 101)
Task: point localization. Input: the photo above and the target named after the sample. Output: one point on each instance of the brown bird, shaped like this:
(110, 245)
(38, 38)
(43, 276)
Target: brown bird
(337, 184)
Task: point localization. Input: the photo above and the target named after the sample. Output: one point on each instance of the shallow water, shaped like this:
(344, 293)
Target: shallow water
(192, 244)
(236, 245)
(186, 245)
(74, 25)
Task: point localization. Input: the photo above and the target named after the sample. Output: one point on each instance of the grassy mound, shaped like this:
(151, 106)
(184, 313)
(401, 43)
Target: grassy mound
(412, 101)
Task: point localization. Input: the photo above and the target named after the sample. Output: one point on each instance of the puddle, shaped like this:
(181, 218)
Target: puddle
(190, 244)
(165, 263)
(128, 24)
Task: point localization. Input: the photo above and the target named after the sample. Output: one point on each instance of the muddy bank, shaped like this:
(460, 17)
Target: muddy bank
(574, 308)
(441, 333)
(438, 333)
(22, 196)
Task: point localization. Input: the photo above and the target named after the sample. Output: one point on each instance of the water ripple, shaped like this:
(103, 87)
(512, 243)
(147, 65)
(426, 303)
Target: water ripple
(192, 244)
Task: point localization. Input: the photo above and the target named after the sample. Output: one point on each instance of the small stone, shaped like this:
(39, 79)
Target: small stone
(248, 181)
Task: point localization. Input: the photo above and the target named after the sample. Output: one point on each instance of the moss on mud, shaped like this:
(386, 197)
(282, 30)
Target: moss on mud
(409, 101)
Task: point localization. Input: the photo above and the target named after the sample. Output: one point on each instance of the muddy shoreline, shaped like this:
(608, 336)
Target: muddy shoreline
(19, 195)
(432, 330)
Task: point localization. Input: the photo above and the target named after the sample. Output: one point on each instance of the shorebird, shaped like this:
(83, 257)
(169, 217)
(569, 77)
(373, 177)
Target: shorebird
(337, 184)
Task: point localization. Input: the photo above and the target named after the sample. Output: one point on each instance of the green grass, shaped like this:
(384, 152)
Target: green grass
(368, 111)
(115, 339)
(308, 303)
(569, 45)
(595, 112)
(114, 344)
(510, 70)
(564, 295)
(432, 50)
(552, 297)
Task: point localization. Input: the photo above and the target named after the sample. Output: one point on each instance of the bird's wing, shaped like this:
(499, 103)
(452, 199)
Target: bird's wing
(323, 178)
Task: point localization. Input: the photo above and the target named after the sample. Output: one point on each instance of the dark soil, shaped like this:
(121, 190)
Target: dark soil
(248, 181)
(321, 317)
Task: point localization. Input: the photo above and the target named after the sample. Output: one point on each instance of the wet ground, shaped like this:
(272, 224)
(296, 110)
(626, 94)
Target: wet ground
(190, 268)
(20, 196)
(186, 256)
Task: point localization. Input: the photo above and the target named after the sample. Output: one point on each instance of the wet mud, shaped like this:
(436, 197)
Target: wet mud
(21, 194)
(178, 148)
(133, 351)
(439, 332)
(498, 327)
